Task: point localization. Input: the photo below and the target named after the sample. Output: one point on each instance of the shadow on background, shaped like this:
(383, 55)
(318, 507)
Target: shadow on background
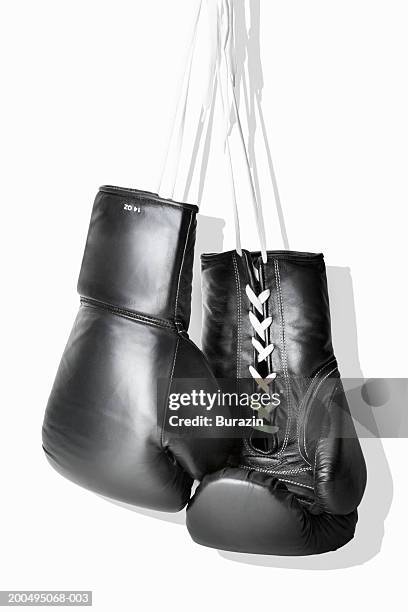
(210, 239)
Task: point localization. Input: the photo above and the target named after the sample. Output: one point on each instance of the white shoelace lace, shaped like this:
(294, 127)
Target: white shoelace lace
(260, 326)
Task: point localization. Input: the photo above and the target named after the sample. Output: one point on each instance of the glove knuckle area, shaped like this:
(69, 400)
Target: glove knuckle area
(251, 512)
(202, 450)
(100, 429)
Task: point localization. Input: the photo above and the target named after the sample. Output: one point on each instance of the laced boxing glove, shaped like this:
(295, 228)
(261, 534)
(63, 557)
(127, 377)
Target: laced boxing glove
(103, 426)
(292, 489)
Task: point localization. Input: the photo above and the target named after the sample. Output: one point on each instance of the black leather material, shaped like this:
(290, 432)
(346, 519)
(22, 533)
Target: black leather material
(295, 491)
(103, 426)
(142, 259)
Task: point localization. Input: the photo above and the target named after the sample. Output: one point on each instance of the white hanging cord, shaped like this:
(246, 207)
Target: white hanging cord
(226, 16)
(221, 13)
(179, 120)
(207, 110)
(225, 108)
(259, 322)
(172, 163)
(274, 181)
(205, 154)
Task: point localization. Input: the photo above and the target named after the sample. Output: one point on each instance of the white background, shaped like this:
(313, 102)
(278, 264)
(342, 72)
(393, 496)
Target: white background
(88, 94)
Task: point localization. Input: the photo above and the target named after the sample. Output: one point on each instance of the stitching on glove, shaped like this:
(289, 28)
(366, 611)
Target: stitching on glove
(182, 265)
(277, 472)
(239, 308)
(298, 484)
(284, 357)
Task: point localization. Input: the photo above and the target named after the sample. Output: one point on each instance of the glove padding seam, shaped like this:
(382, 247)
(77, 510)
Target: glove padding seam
(318, 441)
(168, 393)
(131, 316)
(302, 406)
(312, 398)
(182, 265)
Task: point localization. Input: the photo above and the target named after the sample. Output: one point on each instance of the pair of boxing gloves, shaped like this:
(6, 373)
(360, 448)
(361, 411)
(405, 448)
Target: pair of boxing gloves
(291, 488)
